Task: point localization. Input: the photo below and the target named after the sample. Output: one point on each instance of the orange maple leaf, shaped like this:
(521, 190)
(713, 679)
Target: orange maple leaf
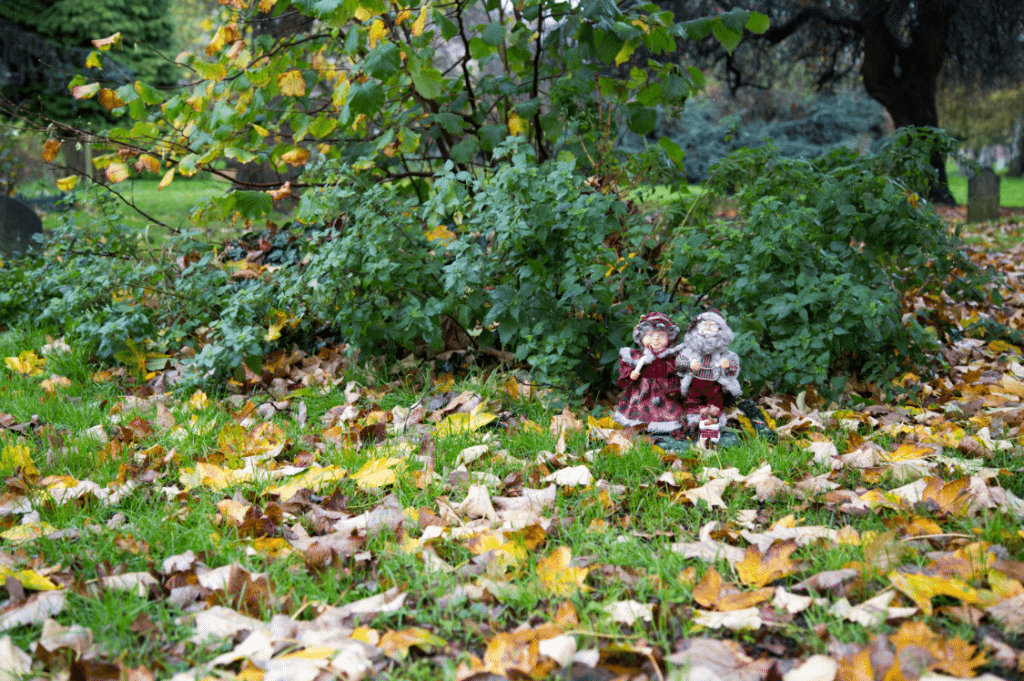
(758, 569)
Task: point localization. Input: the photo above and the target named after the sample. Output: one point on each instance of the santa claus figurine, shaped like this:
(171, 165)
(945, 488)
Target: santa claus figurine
(706, 367)
(648, 377)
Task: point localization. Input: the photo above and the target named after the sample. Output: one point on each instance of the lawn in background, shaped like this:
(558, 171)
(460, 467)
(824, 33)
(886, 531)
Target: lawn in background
(171, 205)
(1011, 189)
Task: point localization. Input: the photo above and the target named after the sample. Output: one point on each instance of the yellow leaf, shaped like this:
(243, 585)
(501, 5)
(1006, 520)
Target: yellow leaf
(312, 478)
(274, 330)
(27, 363)
(66, 184)
(225, 35)
(296, 157)
(442, 233)
(558, 577)
(29, 579)
(516, 126)
(396, 644)
(166, 179)
(757, 569)
(292, 83)
(377, 32)
(235, 510)
(199, 400)
(104, 44)
(147, 163)
(456, 424)
(94, 61)
(377, 473)
(366, 635)
(117, 172)
(923, 588)
(906, 452)
(341, 89)
(21, 534)
(109, 100)
(1012, 385)
(50, 150)
(14, 456)
(421, 21)
(998, 347)
(626, 52)
(274, 547)
(266, 5)
(207, 474)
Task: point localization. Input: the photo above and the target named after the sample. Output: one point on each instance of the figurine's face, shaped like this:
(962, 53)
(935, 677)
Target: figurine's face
(656, 340)
(707, 328)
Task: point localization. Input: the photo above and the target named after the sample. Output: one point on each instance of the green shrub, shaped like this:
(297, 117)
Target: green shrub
(522, 259)
(814, 271)
(531, 259)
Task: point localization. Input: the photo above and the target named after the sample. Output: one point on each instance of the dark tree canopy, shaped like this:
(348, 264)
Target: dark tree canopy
(45, 43)
(898, 49)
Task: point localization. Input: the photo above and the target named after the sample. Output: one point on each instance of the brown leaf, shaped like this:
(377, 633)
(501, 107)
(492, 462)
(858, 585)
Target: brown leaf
(94, 670)
(109, 100)
(33, 611)
(707, 658)
(50, 150)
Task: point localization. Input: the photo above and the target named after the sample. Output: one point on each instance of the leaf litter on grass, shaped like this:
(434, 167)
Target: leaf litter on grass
(920, 498)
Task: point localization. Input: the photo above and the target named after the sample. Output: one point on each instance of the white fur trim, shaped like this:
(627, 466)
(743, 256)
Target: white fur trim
(652, 426)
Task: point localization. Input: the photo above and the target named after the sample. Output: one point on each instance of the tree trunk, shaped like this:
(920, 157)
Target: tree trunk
(904, 77)
(76, 157)
(1015, 164)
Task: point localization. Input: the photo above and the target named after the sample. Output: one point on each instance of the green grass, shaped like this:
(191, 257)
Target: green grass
(171, 206)
(622, 534)
(1011, 189)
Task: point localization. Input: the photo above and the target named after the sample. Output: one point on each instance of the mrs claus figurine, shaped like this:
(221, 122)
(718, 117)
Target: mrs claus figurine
(706, 367)
(647, 374)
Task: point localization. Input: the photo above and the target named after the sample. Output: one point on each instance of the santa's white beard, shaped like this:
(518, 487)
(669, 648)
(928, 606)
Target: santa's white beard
(707, 345)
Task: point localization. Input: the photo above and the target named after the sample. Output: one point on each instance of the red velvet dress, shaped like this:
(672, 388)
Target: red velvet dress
(652, 399)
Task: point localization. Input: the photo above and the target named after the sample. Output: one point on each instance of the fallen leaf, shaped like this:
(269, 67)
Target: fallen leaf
(629, 611)
(14, 662)
(34, 611)
(921, 589)
(758, 569)
(558, 577)
(378, 473)
(574, 476)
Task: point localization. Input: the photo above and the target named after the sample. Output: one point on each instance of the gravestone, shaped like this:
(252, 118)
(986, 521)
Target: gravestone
(983, 196)
(18, 224)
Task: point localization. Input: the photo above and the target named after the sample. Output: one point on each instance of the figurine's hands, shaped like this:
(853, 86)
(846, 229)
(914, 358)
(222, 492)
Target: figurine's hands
(694, 365)
(725, 364)
(635, 375)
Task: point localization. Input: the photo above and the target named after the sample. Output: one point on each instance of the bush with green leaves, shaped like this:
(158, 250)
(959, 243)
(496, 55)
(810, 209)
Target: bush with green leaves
(522, 259)
(814, 270)
(530, 259)
(526, 259)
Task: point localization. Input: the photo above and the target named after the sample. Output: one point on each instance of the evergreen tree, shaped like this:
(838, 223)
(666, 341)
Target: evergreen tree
(897, 48)
(45, 43)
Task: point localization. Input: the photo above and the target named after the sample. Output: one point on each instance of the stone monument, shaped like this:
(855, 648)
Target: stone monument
(18, 224)
(983, 196)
